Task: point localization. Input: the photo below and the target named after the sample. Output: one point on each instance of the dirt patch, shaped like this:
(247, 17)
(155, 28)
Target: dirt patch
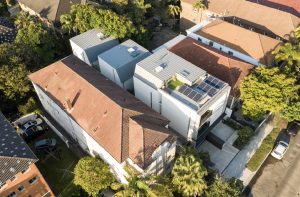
(161, 36)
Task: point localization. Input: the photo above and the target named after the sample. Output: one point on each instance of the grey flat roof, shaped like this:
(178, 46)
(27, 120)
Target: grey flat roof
(15, 155)
(171, 64)
(90, 38)
(120, 56)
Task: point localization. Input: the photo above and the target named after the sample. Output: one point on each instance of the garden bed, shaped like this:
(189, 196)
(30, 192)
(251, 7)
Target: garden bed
(262, 152)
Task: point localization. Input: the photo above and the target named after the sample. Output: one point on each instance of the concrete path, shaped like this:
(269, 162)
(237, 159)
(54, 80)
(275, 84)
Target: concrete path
(237, 168)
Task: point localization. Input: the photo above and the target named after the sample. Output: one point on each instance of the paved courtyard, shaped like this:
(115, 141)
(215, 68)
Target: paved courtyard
(221, 157)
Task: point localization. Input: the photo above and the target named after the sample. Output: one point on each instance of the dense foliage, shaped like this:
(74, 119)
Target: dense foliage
(222, 188)
(188, 175)
(35, 46)
(93, 175)
(245, 136)
(86, 17)
(270, 90)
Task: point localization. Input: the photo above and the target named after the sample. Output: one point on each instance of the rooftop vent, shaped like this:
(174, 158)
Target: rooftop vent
(133, 52)
(160, 67)
(185, 73)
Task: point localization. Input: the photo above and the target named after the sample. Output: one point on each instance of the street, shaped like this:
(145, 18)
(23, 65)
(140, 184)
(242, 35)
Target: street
(279, 178)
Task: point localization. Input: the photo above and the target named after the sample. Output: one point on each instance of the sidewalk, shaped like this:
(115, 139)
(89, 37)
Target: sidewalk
(237, 168)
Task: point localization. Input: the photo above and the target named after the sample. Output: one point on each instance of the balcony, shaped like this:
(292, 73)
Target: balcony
(205, 117)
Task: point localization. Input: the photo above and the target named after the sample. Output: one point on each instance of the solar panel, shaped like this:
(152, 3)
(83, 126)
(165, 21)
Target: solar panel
(187, 91)
(192, 94)
(197, 97)
(215, 82)
(212, 92)
(182, 89)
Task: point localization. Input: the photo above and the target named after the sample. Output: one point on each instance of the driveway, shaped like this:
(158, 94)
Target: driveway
(279, 178)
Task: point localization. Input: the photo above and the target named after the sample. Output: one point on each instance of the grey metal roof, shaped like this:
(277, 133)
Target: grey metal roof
(123, 58)
(15, 155)
(90, 39)
(169, 65)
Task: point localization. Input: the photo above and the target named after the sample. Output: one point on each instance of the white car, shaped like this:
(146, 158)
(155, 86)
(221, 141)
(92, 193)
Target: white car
(31, 123)
(280, 150)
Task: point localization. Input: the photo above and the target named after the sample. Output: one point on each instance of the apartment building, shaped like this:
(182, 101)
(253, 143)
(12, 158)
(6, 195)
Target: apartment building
(19, 175)
(104, 119)
(185, 94)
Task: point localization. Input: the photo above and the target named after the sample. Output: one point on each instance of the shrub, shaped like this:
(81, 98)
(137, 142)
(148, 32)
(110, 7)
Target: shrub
(233, 124)
(245, 135)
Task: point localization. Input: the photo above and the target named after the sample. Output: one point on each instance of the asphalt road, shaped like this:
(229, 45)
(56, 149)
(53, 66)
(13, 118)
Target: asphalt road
(279, 178)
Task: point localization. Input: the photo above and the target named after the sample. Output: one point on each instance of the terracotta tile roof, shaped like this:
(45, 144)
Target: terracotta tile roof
(279, 22)
(215, 62)
(291, 6)
(245, 41)
(100, 107)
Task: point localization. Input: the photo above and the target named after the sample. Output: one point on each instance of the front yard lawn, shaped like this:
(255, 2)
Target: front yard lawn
(58, 169)
(262, 152)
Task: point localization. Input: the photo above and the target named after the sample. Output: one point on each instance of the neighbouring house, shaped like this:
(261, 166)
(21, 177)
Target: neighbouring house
(19, 175)
(104, 119)
(215, 62)
(7, 31)
(182, 92)
(265, 20)
(48, 10)
(88, 45)
(118, 63)
(290, 6)
(238, 42)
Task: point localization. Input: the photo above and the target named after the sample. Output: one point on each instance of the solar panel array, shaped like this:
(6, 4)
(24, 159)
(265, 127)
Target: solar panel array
(215, 82)
(197, 92)
(191, 93)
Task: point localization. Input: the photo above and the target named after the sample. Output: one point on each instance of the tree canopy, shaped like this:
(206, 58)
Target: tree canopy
(222, 188)
(86, 17)
(188, 175)
(269, 90)
(93, 175)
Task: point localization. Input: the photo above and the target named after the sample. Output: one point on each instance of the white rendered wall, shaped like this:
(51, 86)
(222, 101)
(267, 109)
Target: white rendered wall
(190, 33)
(86, 141)
(79, 52)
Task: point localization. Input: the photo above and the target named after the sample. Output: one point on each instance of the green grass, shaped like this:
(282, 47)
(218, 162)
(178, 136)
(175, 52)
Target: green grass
(265, 148)
(174, 83)
(58, 172)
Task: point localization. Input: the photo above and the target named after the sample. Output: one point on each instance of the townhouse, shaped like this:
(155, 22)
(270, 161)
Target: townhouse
(185, 94)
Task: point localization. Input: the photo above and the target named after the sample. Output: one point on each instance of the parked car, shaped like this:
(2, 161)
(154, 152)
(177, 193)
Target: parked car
(46, 145)
(33, 133)
(280, 150)
(31, 123)
(293, 128)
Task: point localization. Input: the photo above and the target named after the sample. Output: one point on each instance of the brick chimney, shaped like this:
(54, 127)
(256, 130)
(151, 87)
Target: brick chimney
(68, 104)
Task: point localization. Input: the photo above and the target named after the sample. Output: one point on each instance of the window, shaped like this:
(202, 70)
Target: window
(211, 43)
(33, 180)
(12, 194)
(230, 52)
(185, 73)
(21, 188)
(199, 39)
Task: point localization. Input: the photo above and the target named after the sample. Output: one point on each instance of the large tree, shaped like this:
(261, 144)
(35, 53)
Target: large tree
(268, 90)
(188, 175)
(93, 175)
(173, 11)
(222, 188)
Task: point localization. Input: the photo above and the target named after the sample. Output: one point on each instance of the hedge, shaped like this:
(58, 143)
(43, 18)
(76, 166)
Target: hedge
(245, 136)
(262, 152)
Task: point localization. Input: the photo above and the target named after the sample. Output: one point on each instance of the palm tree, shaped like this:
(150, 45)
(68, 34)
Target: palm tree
(68, 23)
(188, 175)
(199, 6)
(297, 32)
(136, 187)
(174, 10)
